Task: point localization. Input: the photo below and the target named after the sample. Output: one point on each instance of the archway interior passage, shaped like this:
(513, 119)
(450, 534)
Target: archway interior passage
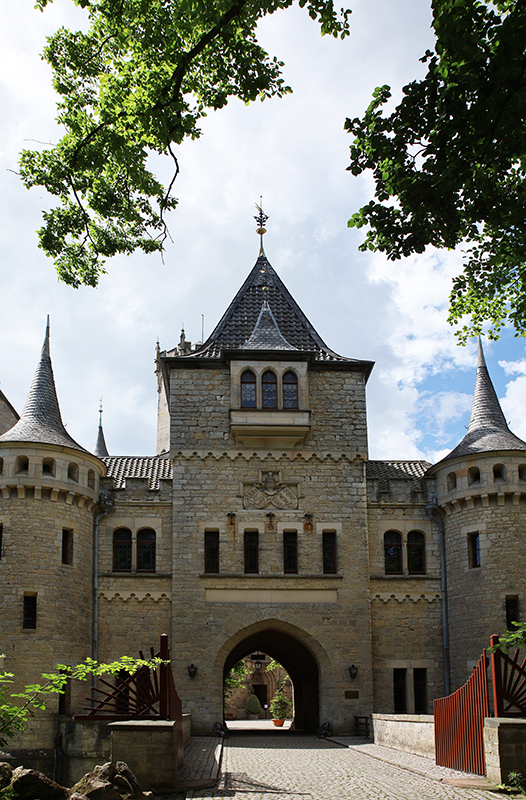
(297, 660)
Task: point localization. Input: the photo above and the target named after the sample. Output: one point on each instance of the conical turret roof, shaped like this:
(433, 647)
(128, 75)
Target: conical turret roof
(41, 421)
(264, 316)
(487, 429)
(100, 450)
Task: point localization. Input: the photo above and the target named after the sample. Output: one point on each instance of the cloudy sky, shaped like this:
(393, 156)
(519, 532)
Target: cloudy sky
(292, 151)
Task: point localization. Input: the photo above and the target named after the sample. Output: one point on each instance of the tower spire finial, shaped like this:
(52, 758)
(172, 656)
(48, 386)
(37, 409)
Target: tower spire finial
(100, 413)
(261, 220)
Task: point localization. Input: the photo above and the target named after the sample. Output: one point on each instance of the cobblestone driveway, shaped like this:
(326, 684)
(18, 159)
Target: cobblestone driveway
(272, 768)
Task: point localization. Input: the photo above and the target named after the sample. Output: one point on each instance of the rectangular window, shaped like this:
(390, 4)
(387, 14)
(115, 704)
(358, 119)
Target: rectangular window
(474, 550)
(30, 610)
(419, 689)
(67, 546)
(251, 552)
(399, 691)
(1, 541)
(329, 552)
(212, 551)
(512, 610)
(290, 552)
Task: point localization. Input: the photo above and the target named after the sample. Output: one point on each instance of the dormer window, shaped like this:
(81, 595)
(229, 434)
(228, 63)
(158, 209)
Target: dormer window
(269, 389)
(248, 389)
(290, 390)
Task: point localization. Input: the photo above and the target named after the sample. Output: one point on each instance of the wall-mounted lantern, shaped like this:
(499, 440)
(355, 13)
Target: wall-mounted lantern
(192, 670)
(353, 671)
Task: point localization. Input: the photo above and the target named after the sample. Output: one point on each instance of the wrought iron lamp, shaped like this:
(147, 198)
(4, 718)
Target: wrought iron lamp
(353, 671)
(192, 670)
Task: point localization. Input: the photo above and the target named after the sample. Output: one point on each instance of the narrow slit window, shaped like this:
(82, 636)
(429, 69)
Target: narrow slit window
(290, 390)
(399, 691)
(67, 546)
(290, 552)
(248, 389)
(474, 550)
(393, 553)
(30, 610)
(420, 689)
(329, 552)
(251, 547)
(122, 550)
(1, 541)
(512, 611)
(269, 388)
(416, 553)
(146, 550)
(212, 552)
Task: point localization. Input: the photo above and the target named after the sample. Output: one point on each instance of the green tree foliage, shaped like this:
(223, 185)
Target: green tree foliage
(235, 679)
(449, 162)
(14, 716)
(138, 82)
(253, 705)
(513, 639)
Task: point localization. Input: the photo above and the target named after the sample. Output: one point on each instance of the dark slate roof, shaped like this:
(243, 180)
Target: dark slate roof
(397, 470)
(266, 335)
(41, 421)
(240, 320)
(100, 450)
(154, 468)
(487, 429)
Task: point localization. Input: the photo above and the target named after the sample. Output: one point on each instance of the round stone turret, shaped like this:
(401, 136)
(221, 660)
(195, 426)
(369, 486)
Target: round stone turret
(481, 491)
(49, 488)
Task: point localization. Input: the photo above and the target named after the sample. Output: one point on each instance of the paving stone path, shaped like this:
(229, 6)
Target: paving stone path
(305, 768)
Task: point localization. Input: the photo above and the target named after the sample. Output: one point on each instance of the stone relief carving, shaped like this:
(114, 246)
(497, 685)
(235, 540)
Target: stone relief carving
(270, 492)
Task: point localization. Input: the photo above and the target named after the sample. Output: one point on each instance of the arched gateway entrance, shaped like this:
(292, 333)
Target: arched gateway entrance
(298, 661)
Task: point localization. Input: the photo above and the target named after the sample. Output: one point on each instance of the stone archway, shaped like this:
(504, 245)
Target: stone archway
(298, 661)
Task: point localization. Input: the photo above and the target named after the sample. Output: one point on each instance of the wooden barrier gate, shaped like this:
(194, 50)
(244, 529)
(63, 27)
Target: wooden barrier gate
(459, 723)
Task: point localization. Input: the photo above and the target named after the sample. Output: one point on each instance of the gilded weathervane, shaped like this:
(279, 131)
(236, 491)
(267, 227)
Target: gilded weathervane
(261, 220)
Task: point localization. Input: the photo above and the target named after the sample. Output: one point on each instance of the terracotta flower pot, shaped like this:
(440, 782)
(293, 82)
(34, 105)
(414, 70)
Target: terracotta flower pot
(278, 722)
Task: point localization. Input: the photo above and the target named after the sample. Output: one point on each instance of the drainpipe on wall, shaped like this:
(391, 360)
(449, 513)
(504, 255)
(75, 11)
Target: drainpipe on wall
(105, 505)
(434, 513)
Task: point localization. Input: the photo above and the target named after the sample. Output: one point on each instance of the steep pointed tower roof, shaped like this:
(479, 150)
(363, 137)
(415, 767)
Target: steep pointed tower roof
(487, 429)
(41, 421)
(264, 316)
(100, 450)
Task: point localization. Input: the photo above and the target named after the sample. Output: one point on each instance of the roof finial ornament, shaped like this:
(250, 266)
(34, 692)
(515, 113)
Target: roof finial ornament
(261, 220)
(100, 413)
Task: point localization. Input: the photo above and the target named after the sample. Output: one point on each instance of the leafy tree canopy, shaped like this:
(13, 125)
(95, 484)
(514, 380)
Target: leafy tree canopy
(449, 162)
(138, 82)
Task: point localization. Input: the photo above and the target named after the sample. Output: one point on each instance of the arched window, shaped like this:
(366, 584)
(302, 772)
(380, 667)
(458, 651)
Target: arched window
(499, 472)
(73, 472)
(91, 479)
(451, 481)
(248, 389)
(48, 466)
(290, 389)
(269, 389)
(122, 550)
(416, 553)
(21, 465)
(473, 475)
(393, 553)
(146, 550)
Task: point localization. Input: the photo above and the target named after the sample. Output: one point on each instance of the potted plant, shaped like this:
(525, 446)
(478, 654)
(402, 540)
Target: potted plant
(253, 707)
(280, 708)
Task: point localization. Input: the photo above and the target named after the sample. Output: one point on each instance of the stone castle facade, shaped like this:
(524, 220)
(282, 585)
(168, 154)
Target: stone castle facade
(260, 526)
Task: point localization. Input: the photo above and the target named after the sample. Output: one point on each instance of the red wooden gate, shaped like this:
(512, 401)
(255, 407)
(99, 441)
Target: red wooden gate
(459, 723)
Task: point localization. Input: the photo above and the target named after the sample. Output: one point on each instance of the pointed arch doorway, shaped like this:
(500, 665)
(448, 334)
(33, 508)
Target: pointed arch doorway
(297, 660)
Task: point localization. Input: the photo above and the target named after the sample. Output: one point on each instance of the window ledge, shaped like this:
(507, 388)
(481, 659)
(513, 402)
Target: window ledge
(273, 575)
(395, 577)
(135, 574)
